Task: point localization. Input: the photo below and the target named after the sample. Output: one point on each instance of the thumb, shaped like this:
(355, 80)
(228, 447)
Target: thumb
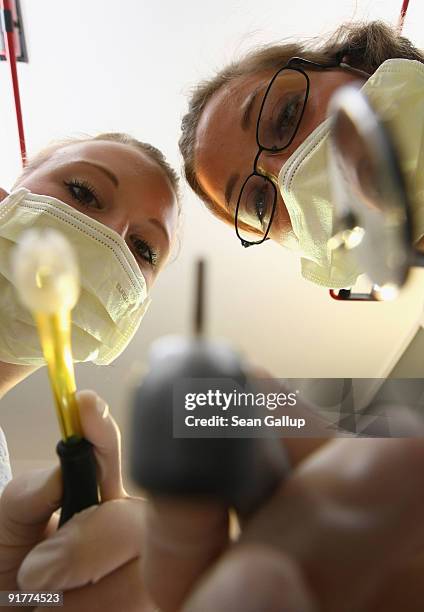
(181, 539)
(101, 430)
(3, 194)
(27, 504)
(250, 579)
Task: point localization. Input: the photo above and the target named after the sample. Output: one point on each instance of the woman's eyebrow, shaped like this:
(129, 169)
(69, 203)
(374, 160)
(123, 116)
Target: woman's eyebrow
(102, 168)
(161, 227)
(230, 188)
(248, 107)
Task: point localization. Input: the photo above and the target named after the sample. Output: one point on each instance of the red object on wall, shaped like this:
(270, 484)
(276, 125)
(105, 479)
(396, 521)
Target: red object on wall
(18, 33)
(9, 43)
(403, 10)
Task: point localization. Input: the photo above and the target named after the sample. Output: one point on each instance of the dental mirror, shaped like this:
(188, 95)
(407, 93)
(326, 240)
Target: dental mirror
(371, 198)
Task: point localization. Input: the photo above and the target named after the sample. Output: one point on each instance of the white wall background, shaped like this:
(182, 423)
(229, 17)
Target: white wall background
(128, 66)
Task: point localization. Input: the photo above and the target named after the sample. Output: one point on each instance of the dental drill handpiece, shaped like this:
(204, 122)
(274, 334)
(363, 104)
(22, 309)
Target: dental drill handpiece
(242, 472)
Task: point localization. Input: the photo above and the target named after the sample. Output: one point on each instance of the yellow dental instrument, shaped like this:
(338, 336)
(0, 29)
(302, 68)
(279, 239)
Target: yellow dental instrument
(46, 277)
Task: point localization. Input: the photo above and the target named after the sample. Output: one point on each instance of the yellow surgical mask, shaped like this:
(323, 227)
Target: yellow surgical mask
(396, 92)
(113, 296)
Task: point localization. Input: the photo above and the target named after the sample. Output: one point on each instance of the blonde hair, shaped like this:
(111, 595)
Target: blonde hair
(363, 45)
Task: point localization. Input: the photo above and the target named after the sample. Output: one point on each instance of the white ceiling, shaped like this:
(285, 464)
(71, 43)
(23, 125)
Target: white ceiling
(128, 66)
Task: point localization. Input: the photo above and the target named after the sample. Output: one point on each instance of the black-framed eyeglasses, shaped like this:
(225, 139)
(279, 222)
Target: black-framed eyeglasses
(280, 115)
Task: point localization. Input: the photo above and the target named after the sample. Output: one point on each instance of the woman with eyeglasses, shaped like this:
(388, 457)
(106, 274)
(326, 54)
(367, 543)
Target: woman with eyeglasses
(344, 531)
(255, 138)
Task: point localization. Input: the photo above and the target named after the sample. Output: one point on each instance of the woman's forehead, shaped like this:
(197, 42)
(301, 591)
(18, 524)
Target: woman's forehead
(115, 153)
(230, 101)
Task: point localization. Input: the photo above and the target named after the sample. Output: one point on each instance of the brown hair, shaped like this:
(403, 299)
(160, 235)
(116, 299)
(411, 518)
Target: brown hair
(152, 152)
(363, 45)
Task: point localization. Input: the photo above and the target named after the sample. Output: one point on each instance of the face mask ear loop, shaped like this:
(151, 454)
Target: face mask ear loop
(11, 58)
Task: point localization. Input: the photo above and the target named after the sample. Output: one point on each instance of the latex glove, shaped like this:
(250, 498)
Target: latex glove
(343, 534)
(95, 557)
(344, 530)
(184, 537)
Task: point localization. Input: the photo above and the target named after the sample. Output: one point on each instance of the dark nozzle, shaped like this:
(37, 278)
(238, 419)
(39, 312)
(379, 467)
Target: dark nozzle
(199, 299)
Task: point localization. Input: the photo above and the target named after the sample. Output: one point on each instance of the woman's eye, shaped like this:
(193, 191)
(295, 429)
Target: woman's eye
(144, 250)
(83, 193)
(256, 207)
(289, 116)
(260, 205)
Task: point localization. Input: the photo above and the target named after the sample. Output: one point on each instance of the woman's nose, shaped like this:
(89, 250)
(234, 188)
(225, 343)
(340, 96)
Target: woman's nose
(120, 224)
(270, 164)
